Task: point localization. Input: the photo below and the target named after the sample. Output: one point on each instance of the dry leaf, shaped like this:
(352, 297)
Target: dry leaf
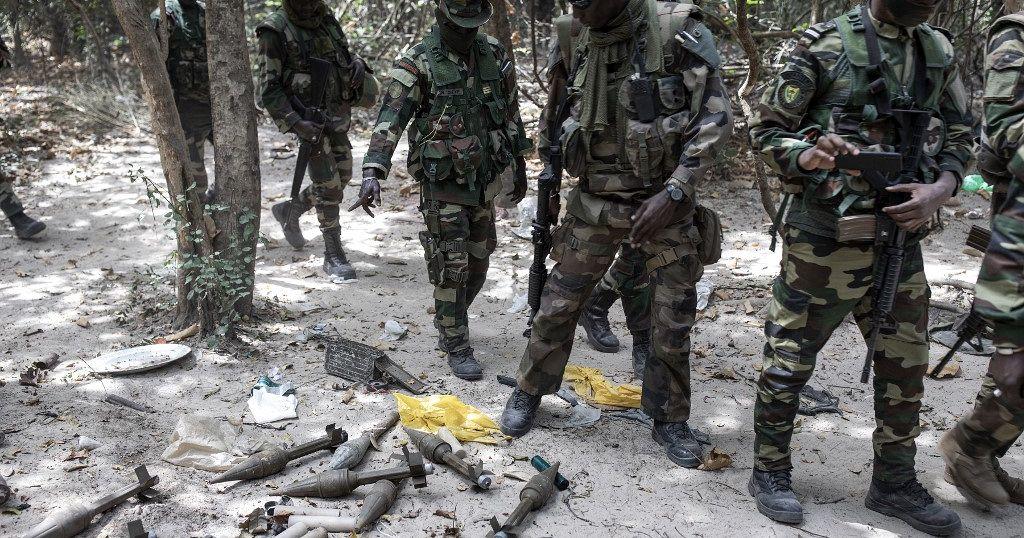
(950, 371)
(716, 461)
(183, 334)
(83, 322)
(748, 307)
(445, 513)
(727, 373)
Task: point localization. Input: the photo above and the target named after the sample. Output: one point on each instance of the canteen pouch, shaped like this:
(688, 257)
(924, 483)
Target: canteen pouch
(709, 226)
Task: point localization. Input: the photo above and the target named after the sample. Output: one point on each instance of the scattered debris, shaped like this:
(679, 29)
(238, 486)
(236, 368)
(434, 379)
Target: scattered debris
(438, 451)
(429, 413)
(273, 459)
(538, 462)
(519, 303)
(75, 518)
(138, 359)
(86, 443)
(187, 332)
(5, 491)
(535, 494)
(349, 454)
(273, 399)
(203, 443)
(590, 383)
(118, 400)
(393, 331)
(716, 460)
(358, 362)
(949, 371)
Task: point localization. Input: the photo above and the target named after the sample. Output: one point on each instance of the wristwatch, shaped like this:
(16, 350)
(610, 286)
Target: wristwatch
(674, 192)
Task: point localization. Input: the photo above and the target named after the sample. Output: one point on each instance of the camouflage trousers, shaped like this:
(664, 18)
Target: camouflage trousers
(9, 202)
(457, 246)
(993, 426)
(823, 281)
(628, 278)
(330, 171)
(583, 254)
(197, 122)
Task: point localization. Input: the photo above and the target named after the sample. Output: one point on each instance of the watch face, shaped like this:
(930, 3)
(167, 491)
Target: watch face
(675, 193)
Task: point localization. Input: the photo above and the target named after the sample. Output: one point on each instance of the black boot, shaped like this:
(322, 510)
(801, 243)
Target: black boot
(912, 503)
(335, 262)
(287, 214)
(520, 410)
(641, 352)
(464, 365)
(26, 227)
(594, 320)
(773, 491)
(680, 444)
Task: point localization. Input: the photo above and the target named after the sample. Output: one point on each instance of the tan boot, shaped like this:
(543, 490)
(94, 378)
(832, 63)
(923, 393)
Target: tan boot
(1013, 485)
(974, 477)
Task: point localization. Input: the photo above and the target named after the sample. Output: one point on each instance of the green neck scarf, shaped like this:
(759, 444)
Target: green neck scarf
(592, 79)
(310, 22)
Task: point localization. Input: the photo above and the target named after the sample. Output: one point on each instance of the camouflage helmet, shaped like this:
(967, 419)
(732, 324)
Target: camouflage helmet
(466, 13)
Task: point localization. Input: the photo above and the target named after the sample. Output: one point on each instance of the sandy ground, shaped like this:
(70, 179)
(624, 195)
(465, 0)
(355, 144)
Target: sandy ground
(87, 289)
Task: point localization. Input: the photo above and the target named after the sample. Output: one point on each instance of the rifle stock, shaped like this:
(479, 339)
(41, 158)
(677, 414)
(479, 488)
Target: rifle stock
(969, 328)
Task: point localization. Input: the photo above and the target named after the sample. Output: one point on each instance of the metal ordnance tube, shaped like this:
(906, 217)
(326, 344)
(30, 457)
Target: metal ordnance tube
(291, 510)
(351, 453)
(534, 495)
(376, 503)
(318, 532)
(437, 450)
(343, 481)
(76, 518)
(294, 531)
(328, 523)
(273, 460)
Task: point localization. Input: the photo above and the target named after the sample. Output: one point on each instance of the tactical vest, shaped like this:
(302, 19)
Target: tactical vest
(850, 110)
(186, 54)
(631, 156)
(326, 42)
(469, 134)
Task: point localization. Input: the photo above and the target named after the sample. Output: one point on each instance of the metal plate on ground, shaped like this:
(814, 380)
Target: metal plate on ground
(138, 359)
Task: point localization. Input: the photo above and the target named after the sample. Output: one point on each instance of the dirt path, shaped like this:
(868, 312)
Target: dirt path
(68, 296)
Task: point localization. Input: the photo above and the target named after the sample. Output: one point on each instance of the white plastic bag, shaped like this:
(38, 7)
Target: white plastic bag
(202, 443)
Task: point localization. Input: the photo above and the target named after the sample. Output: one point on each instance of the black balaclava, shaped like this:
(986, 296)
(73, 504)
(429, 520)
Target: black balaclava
(455, 38)
(910, 13)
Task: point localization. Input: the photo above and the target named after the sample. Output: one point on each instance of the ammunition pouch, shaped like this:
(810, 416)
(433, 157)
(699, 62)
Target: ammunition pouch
(574, 148)
(190, 79)
(651, 148)
(436, 253)
(369, 93)
(686, 248)
(564, 240)
(709, 227)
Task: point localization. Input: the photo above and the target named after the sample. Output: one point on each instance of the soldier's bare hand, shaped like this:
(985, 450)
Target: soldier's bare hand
(823, 155)
(358, 74)
(652, 216)
(519, 186)
(307, 130)
(369, 192)
(554, 207)
(1008, 372)
(925, 201)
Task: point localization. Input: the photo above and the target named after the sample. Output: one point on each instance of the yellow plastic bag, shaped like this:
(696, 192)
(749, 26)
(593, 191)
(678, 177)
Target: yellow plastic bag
(592, 386)
(430, 413)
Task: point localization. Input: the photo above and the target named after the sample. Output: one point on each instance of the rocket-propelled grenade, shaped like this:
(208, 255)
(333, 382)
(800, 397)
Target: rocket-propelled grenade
(376, 503)
(437, 450)
(533, 496)
(352, 452)
(273, 460)
(344, 481)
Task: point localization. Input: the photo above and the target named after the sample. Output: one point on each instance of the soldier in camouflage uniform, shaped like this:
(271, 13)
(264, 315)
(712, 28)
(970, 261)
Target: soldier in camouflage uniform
(971, 449)
(626, 278)
(635, 197)
(828, 101)
(186, 66)
(25, 227)
(289, 37)
(458, 89)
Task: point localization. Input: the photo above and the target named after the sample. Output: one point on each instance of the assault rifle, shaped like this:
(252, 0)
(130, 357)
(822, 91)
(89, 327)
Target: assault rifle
(890, 239)
(320, 72)
(548, 184)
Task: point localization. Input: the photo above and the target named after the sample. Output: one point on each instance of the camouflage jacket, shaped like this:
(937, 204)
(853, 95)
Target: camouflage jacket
(5, 55)
(186, 50)
(824, 88)
(464, 122)
(283, 78)
(1000, 295)
(625, 163)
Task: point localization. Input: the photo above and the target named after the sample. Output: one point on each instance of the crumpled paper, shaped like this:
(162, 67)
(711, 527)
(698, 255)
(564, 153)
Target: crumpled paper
(204, 443)
(593, 387)
(430, 413)
(273, 399)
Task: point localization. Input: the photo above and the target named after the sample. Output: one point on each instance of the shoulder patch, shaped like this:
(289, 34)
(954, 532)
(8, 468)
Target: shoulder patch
(793, 91)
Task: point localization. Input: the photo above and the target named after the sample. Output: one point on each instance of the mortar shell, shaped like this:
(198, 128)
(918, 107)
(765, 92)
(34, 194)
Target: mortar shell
(376, 503)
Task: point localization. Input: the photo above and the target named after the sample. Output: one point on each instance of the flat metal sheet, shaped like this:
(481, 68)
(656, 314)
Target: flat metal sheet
(138, 359)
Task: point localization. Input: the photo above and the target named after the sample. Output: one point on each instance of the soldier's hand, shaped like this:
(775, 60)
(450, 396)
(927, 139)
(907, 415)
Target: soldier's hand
(358, 74)
(652, 216)
(519, 186)
(307, 130)
(554, 207)
(1008, 372)
(823, 155)
(925, 200)
(369, 191)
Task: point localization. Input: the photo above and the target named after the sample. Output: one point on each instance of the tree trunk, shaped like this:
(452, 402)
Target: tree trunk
(236, 147)
(193, 237)
(17, 41)
(500, 28)
(102, 52)
(58, 31)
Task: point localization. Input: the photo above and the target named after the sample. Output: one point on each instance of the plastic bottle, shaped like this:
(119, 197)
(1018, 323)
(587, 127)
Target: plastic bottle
(975, 183)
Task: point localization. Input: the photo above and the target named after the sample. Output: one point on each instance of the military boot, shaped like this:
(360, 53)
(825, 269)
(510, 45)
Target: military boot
(26, 227)
(287, 214)
(913, 504)
(773, 491)
(641, 352)
(1013, 485)
(680, 444)
(520, 410)
(975, 477)
(464, 365)
(594, 320)
(335, 262)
